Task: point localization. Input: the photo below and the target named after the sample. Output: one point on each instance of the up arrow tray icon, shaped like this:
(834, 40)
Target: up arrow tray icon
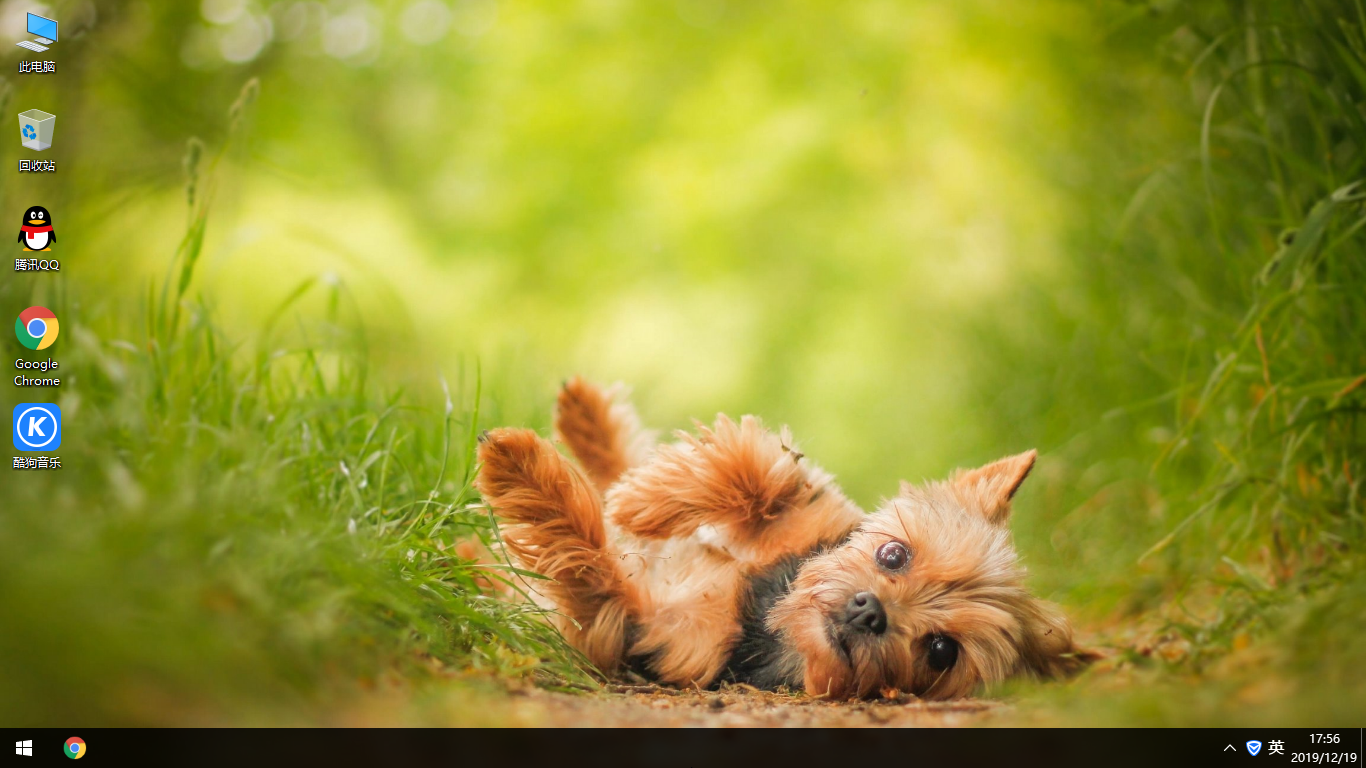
(1235, 749)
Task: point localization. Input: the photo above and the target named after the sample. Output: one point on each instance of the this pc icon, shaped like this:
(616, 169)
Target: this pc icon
(44, 29)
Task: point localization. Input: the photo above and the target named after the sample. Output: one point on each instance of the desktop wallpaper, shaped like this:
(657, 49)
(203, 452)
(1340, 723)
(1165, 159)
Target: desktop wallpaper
(309, 250)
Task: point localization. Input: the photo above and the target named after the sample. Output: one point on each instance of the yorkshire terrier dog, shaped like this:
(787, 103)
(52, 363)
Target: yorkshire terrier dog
(729, 556)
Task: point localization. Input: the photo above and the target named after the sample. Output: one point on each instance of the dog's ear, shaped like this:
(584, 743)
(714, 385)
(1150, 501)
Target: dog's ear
(1047, 649)
(993, 486)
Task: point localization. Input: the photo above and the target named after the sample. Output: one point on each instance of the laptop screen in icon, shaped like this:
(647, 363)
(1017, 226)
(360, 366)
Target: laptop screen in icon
(42, 27)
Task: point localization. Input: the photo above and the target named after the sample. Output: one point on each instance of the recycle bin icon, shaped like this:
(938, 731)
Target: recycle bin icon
(35, 128)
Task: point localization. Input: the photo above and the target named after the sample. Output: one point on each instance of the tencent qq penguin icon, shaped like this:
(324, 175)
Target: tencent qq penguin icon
(37, 427)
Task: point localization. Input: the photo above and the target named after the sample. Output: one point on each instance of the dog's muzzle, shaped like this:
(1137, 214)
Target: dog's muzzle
(864, 614)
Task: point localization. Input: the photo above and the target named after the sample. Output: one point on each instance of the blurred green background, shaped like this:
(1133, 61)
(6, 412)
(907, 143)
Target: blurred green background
(308, 248)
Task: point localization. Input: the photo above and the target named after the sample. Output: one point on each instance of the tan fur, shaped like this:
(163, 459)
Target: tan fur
(692, 620)
(752, 484)
(552, 524)
(669, 556)
(989, 489)
(964, 581)
(601, 430)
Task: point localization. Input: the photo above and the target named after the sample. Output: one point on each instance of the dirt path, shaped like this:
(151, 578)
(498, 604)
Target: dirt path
(654, 707)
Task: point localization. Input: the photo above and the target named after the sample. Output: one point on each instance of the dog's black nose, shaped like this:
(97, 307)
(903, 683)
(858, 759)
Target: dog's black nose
(865, 613)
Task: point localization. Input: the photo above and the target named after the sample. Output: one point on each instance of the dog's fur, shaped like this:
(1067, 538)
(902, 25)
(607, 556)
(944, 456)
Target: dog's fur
(729, 556)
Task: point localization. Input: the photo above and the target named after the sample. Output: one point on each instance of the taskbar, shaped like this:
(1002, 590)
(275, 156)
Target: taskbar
(702, 748)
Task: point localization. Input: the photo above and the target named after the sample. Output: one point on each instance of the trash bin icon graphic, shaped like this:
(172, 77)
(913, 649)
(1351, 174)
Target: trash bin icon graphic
(35, 128)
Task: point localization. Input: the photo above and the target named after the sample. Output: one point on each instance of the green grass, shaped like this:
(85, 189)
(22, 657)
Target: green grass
(1217, 501)
(244, 530)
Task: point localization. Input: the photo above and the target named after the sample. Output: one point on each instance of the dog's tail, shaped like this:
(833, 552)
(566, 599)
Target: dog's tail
(602, 429)
(552, 524)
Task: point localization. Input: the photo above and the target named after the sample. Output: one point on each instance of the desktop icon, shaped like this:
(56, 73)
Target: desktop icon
(35, 129)
(36, 328)
(35, 231)
(38, 427)
(75, 748)
(44, 29)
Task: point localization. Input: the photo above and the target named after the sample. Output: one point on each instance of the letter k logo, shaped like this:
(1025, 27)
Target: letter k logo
(37, 427)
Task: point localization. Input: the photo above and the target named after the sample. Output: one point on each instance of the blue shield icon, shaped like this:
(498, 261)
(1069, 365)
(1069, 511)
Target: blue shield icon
(1253, 747)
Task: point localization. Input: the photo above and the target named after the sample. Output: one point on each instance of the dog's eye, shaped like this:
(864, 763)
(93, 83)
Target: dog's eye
(893, 556)
(942, 652)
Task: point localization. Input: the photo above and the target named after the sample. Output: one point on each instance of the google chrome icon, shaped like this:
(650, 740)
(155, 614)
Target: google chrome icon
(36, 327)
(75, 748)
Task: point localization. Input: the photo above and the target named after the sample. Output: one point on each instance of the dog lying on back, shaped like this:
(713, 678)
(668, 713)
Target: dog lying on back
(728, 556)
